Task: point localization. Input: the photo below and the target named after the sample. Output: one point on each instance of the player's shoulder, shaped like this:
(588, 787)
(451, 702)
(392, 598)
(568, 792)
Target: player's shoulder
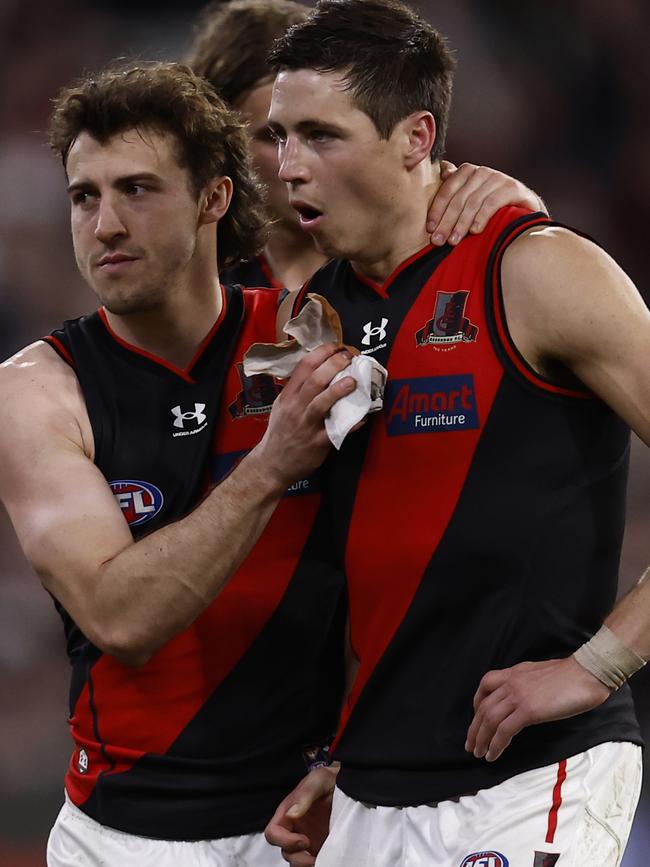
(506, 222)
(35, 366)
(38, 387)
(550, 254)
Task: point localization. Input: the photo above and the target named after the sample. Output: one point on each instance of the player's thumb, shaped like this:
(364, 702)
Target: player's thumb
(312, 788)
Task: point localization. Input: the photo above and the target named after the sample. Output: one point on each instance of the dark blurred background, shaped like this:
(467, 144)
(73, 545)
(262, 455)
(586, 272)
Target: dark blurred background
(552, 92)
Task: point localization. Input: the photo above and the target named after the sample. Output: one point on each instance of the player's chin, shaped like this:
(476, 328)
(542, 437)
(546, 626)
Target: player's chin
(332, 248)
(127, 302)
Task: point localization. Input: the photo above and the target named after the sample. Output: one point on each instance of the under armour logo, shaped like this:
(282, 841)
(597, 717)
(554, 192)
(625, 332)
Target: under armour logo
(181, 417)
(379, 332)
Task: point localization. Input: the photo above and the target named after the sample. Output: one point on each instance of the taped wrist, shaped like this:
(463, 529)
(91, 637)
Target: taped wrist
(608, 659)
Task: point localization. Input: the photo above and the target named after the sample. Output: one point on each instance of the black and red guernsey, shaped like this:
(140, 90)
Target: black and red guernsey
(479, 517)
(255, 272)
(205, 739)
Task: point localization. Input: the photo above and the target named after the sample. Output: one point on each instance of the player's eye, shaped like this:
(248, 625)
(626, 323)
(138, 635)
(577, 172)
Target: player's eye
(264, 134)
(320, 135)
(81, 197)
(135, 189)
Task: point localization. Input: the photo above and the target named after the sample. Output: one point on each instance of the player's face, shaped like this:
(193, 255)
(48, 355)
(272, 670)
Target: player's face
(134, 218)
(255, 108)
(340, 174)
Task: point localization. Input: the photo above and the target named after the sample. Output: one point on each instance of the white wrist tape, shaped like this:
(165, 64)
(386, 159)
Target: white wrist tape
(608, 659)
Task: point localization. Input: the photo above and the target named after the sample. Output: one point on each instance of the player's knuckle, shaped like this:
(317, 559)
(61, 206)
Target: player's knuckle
(492, 200)
(472, 203)
(493, 717)
(489, 680)
(507, 727)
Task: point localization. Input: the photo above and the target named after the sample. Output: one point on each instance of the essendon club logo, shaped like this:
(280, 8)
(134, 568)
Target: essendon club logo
(257, 394)
(449, 324)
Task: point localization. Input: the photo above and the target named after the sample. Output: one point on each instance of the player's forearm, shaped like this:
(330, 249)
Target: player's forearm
(630, 619)
(156, 587)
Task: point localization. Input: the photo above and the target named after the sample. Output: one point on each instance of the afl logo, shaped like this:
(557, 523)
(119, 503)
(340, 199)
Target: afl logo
(139, 501)
(485, 859)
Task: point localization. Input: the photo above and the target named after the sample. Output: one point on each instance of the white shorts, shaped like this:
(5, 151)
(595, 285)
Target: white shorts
(76, 840)
(576, 813)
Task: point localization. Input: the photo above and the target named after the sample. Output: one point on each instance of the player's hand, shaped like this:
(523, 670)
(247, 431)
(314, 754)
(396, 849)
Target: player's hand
(532, 692)
(300, 824)
(295, 442)
(469, 196)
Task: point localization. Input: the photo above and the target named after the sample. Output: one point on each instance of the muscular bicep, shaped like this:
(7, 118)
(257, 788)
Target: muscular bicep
(65, 516)
(568, 302)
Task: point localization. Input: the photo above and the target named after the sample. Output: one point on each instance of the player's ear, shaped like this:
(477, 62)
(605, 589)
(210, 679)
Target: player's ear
(420, 136)
(215, 199)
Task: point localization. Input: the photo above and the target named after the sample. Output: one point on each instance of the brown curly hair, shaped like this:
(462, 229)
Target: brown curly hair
(232, 41)
(171, 98)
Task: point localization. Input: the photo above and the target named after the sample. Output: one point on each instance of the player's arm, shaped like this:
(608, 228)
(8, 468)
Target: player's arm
(468, 198)
(300, 825)
(567, 301)
(130, 597)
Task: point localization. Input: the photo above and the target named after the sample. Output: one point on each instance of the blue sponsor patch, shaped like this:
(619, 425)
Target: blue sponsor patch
(224, 463)
(139, 501)
(485, 859)
(430, 404)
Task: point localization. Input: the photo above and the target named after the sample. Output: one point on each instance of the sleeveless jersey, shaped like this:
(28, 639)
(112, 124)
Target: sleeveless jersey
(256, 272)
(206, 738)
(479, 517)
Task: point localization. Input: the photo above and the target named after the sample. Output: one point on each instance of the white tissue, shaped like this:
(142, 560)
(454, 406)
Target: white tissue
(318, 323)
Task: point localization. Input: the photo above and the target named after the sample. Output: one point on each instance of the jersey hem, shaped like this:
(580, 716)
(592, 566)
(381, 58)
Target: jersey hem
(422, 791)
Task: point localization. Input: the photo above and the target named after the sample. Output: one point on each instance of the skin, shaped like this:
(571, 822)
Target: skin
(467, 198)
(143, 242)
(289, 251)
(335, 164)
(160, 278)
(450, 202)
(567, 303)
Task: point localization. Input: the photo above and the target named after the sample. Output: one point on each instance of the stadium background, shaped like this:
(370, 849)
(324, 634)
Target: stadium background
(552, 92)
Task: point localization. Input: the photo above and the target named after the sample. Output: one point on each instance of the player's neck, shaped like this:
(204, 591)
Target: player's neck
(171, 331)
(291, 255)
(174, 328)
(402, 232)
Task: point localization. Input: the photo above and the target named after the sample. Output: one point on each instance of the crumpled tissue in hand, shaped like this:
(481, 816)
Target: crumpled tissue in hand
(319, 323)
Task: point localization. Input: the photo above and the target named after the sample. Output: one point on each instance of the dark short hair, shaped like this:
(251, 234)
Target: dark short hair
(394, 62)
(169, 98)
(232, 42)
